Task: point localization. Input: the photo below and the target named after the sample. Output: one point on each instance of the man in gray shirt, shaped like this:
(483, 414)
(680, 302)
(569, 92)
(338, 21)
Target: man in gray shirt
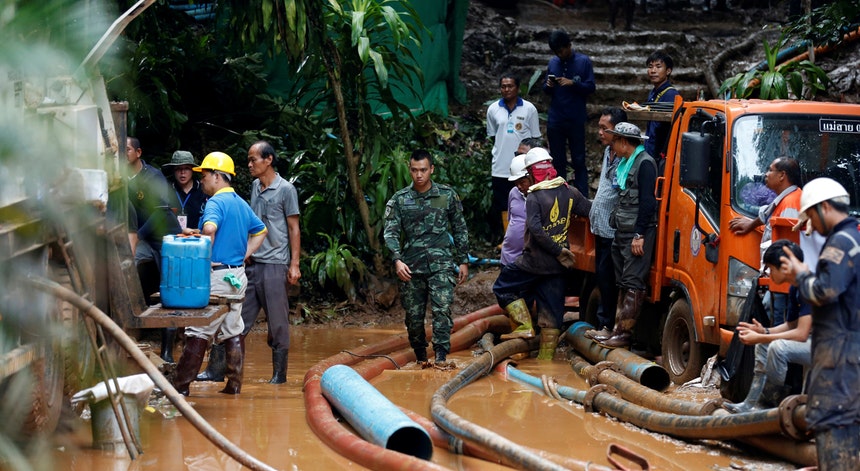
(275, 201)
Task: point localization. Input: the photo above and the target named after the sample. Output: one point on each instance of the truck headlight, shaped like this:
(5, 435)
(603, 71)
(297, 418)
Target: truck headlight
(741, 279)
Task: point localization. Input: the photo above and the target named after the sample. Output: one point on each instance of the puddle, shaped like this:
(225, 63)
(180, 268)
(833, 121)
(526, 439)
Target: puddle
(269, 421)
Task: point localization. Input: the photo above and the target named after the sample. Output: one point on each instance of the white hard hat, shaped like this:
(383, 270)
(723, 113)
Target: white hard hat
(535, 155)
(817, 191)
(518, 168)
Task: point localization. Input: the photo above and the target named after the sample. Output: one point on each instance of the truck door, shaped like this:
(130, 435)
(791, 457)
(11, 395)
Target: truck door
(692, 234)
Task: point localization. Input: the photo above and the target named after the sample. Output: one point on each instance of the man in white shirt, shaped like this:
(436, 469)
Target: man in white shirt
(509, 121)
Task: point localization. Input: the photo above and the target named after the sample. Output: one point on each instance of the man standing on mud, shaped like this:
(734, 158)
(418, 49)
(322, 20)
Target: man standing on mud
(604, 202)
(832, 411)
(236, 233)
(539, 271)
(271, 268)
(635, 221)
(422, 215)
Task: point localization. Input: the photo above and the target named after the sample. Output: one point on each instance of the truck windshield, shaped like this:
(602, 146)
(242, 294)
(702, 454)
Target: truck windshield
(824, 146)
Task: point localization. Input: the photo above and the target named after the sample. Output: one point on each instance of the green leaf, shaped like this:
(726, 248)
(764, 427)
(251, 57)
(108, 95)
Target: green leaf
(357, 26)
(379, 67)
(363, 48)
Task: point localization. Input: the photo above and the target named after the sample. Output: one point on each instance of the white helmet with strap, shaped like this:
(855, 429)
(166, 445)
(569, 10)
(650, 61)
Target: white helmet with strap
(817, 191)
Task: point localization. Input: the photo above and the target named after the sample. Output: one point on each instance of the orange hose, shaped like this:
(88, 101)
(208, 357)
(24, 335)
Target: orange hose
(338, 437)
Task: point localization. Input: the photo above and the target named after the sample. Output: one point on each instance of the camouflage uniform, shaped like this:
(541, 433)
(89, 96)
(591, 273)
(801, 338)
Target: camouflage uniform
(423, 219)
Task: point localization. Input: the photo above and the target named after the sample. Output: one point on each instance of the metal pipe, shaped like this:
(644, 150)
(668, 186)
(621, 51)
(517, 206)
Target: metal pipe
(646, 372)
(375, 417)
(603, 373)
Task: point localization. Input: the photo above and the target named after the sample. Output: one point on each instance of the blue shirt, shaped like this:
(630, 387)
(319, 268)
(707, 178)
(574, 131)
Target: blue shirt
(234, 222)
(568, 103)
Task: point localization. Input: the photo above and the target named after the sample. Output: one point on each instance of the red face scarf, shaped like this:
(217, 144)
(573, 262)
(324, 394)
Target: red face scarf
(543, 171)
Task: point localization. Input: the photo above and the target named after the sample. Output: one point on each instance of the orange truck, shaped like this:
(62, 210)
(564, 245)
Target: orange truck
(701, 272)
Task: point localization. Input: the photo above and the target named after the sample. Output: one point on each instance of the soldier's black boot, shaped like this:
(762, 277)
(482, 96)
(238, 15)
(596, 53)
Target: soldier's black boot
(420, 354)
(441, 355)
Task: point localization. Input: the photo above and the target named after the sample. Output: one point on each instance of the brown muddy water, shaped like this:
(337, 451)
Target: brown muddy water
(268, 421)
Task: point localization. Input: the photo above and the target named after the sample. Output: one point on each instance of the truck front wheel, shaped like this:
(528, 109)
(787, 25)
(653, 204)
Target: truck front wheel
(682, 355)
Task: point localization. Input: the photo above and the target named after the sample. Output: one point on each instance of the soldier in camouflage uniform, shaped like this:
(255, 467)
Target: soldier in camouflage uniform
(423, 214)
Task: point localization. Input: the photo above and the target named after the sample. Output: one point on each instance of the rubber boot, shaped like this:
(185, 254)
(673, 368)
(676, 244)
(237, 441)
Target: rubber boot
(772, 395)
(605, 333)
(279, 366)
(751, 401)
(168, 334)
(217, 364)
(441, 355)
(234, 355)
(521, 321)
(548, 342)
(420, 354)
(625, 319)
(189, 363)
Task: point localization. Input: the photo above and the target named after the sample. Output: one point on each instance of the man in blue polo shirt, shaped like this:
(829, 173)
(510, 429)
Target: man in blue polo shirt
(236, 233)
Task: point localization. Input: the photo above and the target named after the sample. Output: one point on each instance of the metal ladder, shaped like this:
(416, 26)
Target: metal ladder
(100, 347)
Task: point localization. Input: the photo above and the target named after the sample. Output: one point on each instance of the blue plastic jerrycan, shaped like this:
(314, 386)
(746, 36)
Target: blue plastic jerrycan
(185, 268)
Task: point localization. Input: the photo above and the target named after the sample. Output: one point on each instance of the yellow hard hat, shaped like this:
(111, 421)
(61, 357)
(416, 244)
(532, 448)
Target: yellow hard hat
(217, 161)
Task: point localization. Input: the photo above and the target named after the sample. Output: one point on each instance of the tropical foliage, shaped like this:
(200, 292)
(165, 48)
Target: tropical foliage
(340, 134)
(794, 79)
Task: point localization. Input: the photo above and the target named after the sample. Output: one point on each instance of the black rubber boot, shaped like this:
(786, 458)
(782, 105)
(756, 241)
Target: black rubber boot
(189, 363)
(234, 354)
(279, 366)
(420, 354)
(167, 336)
(217, 365)
(441, 355)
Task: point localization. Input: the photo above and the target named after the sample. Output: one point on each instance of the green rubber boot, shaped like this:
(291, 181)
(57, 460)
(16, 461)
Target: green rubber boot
(548, 342)
(521, 321)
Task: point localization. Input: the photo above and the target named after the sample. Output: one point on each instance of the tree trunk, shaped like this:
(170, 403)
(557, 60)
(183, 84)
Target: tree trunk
(353, 160)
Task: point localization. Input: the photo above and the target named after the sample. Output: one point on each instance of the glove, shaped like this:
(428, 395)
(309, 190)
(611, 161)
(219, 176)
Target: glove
(235, 281)
(566, 258)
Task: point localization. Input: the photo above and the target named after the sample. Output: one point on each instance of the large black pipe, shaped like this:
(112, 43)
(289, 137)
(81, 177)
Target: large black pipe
(647, 373)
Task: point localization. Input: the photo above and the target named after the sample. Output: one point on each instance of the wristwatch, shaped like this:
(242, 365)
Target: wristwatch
(637, 236)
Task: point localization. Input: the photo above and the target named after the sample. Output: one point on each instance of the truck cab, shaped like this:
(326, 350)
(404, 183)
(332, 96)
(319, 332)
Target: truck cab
(717, 153)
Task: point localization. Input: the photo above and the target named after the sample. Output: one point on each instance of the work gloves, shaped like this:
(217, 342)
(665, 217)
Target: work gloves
(566, 258)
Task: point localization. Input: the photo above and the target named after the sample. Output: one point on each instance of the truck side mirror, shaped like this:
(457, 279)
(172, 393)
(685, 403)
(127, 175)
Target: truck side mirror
(695, 152)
